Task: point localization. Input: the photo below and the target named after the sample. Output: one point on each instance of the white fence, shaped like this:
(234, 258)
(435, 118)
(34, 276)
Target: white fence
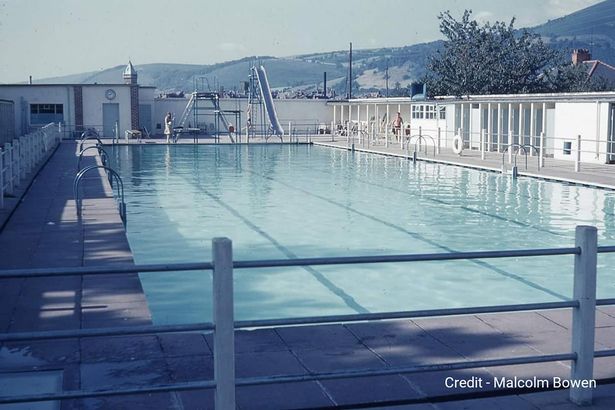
(19, 157)
(576, 149)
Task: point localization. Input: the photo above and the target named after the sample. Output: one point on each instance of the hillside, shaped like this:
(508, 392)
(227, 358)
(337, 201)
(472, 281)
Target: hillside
(592, 27)
(282, 72)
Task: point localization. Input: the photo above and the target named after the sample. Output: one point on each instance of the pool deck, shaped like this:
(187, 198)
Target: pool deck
(44, 231)
(596, 175)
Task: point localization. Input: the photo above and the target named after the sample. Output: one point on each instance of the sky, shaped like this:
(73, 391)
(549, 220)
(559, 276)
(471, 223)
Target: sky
(47, 38)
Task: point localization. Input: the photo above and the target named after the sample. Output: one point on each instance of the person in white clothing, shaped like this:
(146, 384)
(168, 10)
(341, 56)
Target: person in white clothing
(168, 126)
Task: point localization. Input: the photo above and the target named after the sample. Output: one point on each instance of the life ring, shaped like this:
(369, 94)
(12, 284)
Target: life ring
(457, 144)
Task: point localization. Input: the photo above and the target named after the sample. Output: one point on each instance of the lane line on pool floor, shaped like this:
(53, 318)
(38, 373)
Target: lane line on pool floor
(321, 278)
(420, 237)
(381, 221)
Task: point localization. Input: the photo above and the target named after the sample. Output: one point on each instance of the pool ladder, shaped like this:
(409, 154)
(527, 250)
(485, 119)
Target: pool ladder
(112, 176)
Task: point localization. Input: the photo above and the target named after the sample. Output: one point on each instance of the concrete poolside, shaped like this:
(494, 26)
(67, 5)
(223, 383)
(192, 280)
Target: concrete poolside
(596, 175)
(46, 221)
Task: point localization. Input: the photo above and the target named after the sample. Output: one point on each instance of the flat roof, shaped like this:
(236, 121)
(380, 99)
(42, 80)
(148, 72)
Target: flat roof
(74, 85)
(501, 98)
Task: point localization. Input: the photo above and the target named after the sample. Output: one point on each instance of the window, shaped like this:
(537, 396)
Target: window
(42, 114)
(418, 112)
(430, 112)
(427, 112)
(442, 113)
(567, 147)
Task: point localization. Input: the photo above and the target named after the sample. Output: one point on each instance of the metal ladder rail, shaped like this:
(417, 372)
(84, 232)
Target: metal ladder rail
(112, 175)
(184, 117)
(104, 157)
(420, 138)
(519, 147)
(98, 141)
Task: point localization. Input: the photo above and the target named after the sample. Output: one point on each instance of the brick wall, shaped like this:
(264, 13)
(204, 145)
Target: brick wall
(78, 92)
(134, 107)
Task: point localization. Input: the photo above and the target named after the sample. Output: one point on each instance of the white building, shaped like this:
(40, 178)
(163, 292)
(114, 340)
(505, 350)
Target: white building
(109, 108)
(114, 108)
(554, 120)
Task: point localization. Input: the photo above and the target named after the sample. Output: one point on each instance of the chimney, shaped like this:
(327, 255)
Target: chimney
(324, 85)
(579, 55)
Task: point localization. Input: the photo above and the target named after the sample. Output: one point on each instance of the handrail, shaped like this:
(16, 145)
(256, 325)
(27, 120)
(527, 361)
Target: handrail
(104, 157)
(518, 146)
(90, 132)
(93, 137)
(419, 138)
(112, 174)
(277, 263)
(583, 304)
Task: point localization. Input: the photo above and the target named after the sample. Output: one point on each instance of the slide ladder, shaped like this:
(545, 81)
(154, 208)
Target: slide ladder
(187, 111)
(263, 84)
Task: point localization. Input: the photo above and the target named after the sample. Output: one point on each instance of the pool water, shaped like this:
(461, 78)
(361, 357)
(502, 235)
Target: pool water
(289, 201)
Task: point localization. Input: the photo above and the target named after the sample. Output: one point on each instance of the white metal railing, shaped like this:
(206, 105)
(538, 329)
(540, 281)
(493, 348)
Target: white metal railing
(575, 149)
(583, 305)
(19, 157)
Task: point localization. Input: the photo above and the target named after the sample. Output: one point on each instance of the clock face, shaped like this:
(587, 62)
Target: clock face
(110, 94)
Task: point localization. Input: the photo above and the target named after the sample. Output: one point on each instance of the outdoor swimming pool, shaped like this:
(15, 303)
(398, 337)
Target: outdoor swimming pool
(288, 201)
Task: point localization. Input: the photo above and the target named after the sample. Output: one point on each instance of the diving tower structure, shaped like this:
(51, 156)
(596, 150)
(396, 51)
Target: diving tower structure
(203, 116)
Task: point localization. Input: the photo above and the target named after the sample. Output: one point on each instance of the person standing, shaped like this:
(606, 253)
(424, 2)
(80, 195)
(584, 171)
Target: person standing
(168, 126)
(397, 123)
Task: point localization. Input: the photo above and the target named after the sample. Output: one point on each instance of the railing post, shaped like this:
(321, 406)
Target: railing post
(438, 144)
(224, 322)
(8, 162)
(584, 317)
(2, 153)
(482, 144)
(541, 149)
(577, 162)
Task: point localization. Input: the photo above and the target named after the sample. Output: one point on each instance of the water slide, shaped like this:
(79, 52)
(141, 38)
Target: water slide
(268, 99)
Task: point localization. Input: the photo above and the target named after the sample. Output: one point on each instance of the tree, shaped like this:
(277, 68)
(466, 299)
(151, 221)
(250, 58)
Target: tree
(488, 59)
(575, 78)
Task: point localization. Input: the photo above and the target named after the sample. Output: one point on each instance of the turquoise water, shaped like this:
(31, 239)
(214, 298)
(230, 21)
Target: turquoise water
(278, 201)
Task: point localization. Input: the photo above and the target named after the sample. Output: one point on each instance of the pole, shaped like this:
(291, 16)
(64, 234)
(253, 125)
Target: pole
(224, 334)
(584, 316)
(577, 162)
(2, 153)
(386, 77)
(541, 160)
(350, 73)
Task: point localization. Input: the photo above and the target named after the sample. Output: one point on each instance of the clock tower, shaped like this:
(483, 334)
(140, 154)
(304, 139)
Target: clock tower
(130, 74)
(130, 78)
